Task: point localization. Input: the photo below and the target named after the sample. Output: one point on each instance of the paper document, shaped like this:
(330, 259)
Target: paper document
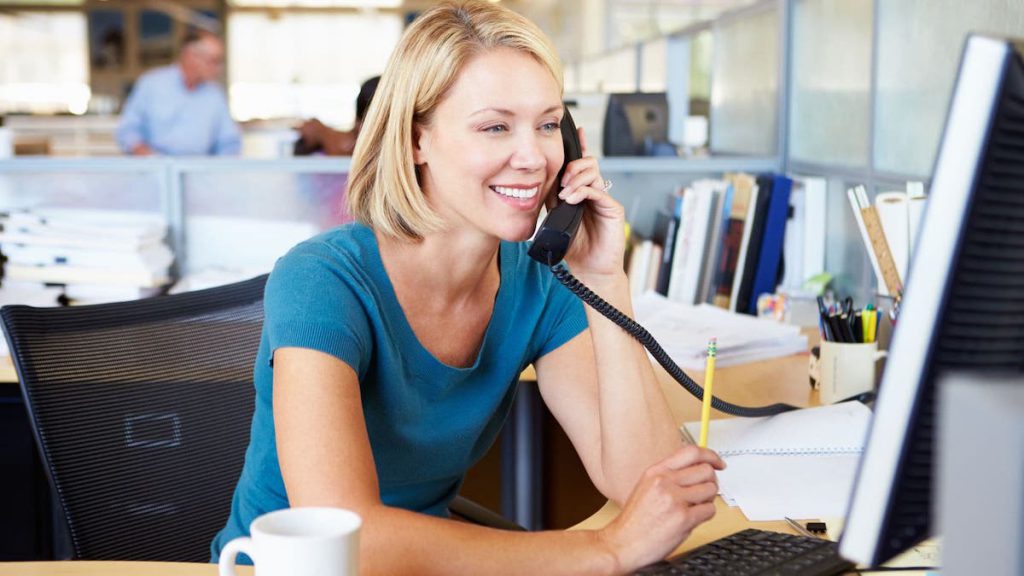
(30, 294)
(799, 464)
(683, 331)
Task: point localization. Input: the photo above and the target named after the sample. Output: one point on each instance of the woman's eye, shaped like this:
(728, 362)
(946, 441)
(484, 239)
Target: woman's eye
(550, 127)
(496, 129)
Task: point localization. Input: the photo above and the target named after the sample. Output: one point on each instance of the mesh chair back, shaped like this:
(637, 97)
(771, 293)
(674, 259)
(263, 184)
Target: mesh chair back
(141, 411)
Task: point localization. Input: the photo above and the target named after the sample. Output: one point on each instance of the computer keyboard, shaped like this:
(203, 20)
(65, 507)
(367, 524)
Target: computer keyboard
(756, 552)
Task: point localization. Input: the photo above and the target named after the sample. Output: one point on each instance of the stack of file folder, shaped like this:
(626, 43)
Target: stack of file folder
(96, 255)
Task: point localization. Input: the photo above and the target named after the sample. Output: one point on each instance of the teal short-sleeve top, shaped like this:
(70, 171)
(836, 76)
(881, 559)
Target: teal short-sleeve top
(428, 422)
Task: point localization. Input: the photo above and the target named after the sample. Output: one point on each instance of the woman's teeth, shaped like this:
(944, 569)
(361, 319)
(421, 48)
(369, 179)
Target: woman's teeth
(516, 192)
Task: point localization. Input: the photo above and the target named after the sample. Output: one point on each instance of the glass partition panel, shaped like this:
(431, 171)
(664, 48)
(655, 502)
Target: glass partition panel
(245, 220)
(654, 65)
(305, 64)
(701, 58)
(919, 43)
(80, 188)
(744, 83)
(50, 74)
(846, 257)
(591, 75)
(831, 81)
(570, 78)
(620, 70)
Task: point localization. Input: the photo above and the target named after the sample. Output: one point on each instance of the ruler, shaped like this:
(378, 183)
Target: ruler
(890, 275)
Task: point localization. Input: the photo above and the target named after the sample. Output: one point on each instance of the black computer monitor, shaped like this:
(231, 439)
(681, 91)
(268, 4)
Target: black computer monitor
(636, 124)
(963, 308)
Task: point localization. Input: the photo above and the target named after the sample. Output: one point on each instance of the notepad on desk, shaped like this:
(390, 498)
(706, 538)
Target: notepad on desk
(799, 464)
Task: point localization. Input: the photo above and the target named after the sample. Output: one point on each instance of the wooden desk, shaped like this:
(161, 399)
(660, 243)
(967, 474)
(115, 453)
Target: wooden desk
(80, 568)
(7, 373)
(755, 384)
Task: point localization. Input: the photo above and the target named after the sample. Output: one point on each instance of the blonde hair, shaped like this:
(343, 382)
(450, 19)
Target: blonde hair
(383, 189)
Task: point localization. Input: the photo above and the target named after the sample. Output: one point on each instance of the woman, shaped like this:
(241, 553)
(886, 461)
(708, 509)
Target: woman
(391, 347)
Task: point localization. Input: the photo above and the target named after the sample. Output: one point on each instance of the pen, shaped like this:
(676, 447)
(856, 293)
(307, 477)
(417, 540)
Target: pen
(796, 526)
(837, 332)
(826, 329)
(709, 378)
(845, 322)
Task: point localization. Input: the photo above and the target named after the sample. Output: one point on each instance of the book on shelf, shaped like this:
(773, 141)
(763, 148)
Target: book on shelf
(804, 244)
(665, 224)
(750, 249)
(719, 221)
(639, 266)
(693, 239)
(766, 275)
(654, 267)
(743, 188)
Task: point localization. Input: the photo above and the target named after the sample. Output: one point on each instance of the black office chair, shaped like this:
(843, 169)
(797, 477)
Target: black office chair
(142, 410)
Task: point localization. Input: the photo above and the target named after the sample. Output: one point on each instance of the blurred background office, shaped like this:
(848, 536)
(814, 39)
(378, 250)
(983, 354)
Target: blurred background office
(833, 93)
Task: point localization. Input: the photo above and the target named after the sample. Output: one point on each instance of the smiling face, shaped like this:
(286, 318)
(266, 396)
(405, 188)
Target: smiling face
(493, 146)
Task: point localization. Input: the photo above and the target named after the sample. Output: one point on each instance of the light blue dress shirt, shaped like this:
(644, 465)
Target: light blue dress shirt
(164, 114)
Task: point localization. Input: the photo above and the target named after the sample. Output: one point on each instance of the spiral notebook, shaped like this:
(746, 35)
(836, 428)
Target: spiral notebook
(799, 464)
(834, 429)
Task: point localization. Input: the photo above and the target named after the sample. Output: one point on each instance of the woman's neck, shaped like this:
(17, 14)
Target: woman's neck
(449, 266)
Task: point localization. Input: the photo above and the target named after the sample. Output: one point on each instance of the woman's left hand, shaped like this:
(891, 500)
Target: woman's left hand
(600, 243)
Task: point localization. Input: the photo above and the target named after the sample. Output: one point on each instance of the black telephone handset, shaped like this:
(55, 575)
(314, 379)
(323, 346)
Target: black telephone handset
(555, 234)
(549, 246)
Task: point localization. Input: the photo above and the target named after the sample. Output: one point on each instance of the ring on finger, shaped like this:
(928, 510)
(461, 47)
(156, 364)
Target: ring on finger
(607, 185)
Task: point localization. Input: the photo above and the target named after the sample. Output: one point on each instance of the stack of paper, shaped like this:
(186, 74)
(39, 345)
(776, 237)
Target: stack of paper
(14, 293)
(799, 464)
(683, 331)
(98, 255)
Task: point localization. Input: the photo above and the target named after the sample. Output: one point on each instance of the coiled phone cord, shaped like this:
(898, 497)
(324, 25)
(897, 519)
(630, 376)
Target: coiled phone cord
(644, 337)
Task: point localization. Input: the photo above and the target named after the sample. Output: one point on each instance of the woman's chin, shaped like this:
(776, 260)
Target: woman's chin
(521, 235)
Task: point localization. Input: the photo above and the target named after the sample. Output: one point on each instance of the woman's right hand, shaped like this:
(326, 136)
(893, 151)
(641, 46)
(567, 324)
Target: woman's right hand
(672, 498)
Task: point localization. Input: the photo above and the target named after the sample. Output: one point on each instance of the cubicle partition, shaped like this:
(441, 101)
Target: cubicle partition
(226, 214)
(243, 214)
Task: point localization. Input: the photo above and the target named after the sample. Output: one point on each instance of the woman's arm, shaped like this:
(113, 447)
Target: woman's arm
(610, 405)
(326, 460)
(601, 386)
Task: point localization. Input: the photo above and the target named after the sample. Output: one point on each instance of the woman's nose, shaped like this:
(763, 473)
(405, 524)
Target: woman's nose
(528, 154)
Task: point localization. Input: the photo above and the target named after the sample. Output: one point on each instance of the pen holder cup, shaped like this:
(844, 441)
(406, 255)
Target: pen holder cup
(845, 370)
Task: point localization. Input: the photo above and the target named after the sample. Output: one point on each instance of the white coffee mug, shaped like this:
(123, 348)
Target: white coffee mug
(299, 542)
(847, 369)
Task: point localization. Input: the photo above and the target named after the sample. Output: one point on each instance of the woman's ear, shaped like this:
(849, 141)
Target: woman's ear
(420, 144)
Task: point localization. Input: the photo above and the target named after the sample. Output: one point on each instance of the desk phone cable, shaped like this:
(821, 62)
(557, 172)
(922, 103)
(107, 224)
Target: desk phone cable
(644, 337)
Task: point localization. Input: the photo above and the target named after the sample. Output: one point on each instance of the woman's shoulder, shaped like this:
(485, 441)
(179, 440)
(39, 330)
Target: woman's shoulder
(347, 252)
(344, 243)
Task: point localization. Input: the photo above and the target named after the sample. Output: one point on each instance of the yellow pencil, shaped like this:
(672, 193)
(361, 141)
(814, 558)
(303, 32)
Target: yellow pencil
(709, 379)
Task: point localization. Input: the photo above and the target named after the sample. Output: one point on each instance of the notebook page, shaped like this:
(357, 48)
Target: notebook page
(834, 429)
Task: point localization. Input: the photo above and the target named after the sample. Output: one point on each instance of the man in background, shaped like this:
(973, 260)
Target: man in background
(180, 110)
(315, 136)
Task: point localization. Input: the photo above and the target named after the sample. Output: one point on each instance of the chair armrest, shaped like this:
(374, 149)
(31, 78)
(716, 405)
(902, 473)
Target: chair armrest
(477, 514)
